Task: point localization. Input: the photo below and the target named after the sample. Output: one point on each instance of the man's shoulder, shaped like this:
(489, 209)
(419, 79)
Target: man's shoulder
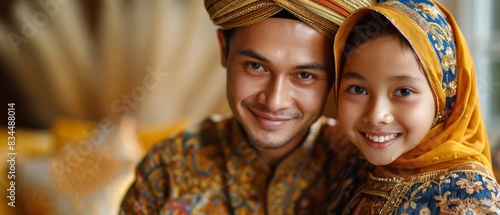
(331, 136)
(343, 157)
(207, 131)
(200, 138)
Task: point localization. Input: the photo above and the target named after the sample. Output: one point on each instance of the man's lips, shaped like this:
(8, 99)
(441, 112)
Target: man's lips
(270, 122)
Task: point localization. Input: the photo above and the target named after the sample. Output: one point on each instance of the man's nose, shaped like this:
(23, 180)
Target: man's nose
(278, 94)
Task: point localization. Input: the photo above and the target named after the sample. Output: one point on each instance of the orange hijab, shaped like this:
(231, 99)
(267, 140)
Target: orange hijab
(459, 134)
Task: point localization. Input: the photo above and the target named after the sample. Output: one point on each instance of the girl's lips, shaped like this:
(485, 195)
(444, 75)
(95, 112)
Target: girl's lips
(380, 140)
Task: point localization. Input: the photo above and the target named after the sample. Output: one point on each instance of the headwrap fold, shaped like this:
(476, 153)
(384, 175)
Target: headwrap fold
(324, 15)
(459, 134)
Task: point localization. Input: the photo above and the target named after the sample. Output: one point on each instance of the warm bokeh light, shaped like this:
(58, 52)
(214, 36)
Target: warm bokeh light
(96, 83)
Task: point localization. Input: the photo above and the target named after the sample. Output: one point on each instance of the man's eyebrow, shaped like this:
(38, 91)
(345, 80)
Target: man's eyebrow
(253, 54)
(312, 65)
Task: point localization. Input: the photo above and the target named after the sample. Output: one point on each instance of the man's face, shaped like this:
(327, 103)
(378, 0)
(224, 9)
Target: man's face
(278, 77)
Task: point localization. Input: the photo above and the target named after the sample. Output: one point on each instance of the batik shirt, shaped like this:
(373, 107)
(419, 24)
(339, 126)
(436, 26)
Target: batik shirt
(211, 169)
(467, 188)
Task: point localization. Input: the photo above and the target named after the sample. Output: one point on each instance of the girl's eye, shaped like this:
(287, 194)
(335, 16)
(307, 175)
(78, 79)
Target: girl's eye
(256, 66)
(404, 92)
(357, 90)
(305, 75)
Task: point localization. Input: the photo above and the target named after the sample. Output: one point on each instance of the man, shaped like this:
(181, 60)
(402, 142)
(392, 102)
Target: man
(273, 156)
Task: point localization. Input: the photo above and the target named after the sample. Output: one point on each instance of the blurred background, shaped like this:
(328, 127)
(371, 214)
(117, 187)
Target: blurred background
(96, 83)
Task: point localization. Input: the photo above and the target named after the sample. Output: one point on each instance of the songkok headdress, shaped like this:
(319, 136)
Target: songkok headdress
(324, 15)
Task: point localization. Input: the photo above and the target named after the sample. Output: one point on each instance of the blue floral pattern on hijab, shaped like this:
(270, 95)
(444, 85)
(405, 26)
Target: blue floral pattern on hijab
(432, 21)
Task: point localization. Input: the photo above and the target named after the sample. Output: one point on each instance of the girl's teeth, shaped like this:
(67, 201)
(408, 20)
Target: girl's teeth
(381, 139)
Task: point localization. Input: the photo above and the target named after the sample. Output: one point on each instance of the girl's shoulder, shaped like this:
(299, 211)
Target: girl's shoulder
(465, 179)
(466, 187)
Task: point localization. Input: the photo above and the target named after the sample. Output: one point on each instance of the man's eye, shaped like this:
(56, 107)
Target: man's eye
(305, 75)
(404, 92)
(357, 90)
(256, 66)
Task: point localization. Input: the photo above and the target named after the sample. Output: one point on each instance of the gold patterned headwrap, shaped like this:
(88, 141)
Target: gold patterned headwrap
(459, 134)
(324, 15)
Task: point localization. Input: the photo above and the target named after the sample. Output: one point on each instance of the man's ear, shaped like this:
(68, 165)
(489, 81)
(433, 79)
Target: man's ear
(222, 46)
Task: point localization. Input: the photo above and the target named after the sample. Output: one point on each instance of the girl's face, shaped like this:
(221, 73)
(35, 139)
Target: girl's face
(386, 105)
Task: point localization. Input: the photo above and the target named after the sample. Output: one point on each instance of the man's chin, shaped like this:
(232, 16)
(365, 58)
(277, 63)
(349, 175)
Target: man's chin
(266, 144)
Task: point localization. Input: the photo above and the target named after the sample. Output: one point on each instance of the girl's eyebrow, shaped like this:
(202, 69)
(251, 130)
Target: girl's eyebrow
(353, 75)
(406, 78)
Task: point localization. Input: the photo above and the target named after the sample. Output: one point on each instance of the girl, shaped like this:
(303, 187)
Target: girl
(407, 98)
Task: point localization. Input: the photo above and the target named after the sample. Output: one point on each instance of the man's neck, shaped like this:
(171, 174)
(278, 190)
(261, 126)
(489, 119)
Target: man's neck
(273, 157)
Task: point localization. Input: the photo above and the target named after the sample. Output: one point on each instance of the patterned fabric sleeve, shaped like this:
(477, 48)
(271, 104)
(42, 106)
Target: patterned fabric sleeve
(150, 188)
(454, 193)
(348, 173)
